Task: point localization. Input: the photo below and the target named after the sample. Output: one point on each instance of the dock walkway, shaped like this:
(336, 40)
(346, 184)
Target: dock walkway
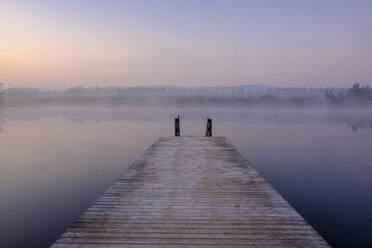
(190, 192)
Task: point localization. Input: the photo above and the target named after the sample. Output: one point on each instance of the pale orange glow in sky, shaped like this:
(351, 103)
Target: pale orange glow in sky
(66, 43)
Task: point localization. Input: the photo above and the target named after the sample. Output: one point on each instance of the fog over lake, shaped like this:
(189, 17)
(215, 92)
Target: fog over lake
(55, 161)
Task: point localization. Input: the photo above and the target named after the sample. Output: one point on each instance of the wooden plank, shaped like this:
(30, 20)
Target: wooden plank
(190, 191)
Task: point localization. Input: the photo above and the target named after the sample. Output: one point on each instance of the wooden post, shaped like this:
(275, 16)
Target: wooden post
(177, 126)
(208, 132)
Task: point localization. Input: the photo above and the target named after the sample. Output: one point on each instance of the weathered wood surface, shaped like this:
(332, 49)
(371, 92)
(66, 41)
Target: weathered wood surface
(190, 191)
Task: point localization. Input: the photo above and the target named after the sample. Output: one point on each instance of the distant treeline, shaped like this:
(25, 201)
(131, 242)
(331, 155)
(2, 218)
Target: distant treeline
(242, 96)
(356, 95)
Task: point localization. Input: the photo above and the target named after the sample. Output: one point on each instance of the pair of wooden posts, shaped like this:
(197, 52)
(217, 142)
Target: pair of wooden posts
(208, 131)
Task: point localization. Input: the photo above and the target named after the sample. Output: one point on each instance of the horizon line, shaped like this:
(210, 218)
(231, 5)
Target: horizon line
(180, 86)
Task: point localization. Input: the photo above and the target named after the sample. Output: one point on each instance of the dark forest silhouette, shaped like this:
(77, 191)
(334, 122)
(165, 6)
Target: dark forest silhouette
(356, 95)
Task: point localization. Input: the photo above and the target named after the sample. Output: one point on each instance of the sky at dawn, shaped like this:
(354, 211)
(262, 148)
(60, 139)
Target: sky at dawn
(186, 43)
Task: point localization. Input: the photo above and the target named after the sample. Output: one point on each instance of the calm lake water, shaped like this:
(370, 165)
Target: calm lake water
(54, 162)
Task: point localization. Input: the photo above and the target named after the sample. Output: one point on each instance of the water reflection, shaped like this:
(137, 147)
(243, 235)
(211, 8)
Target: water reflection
(353, 118)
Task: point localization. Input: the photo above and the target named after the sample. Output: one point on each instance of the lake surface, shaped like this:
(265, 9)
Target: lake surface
(54, 162)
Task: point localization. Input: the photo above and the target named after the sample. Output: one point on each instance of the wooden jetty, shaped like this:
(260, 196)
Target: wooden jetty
(190, 192)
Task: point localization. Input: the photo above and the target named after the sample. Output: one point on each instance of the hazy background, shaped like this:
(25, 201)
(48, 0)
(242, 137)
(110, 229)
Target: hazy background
(190, 43)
